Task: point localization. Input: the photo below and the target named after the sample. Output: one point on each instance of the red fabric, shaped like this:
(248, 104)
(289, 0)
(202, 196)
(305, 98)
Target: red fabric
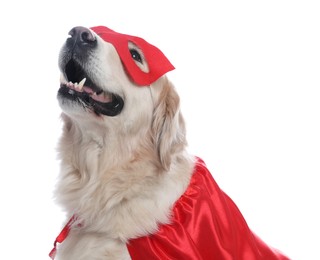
(61, 237)
(206, 225)
(157, 61)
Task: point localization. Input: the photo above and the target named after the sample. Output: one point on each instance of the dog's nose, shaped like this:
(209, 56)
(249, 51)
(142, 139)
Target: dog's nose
(82, 36)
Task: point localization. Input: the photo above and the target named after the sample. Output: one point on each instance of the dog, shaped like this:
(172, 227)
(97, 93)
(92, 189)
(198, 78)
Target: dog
(128, 186)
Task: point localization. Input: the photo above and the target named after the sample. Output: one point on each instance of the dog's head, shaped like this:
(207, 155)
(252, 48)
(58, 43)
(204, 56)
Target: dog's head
(117, 82)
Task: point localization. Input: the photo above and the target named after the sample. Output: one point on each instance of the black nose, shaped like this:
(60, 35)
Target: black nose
(82, 37)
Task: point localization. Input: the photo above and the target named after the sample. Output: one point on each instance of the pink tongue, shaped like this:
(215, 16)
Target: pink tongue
(104, 98)
(87, 90)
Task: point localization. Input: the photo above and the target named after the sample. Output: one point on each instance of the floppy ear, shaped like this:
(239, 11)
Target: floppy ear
(168, 125)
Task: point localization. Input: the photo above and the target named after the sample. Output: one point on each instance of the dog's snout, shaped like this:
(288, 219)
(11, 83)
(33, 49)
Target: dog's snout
(82, 36)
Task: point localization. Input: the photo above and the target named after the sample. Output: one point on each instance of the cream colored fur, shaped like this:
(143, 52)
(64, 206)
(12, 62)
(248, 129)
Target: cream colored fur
(120, 175)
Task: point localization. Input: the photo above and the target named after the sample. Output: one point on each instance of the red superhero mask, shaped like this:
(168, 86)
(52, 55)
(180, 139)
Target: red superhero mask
(157, 61)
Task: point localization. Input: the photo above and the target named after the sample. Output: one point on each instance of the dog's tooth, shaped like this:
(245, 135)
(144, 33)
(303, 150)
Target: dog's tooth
(78, 87)
(81, 83)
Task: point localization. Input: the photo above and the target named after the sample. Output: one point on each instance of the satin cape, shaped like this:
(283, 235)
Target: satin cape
(206, 225)
(158, 63)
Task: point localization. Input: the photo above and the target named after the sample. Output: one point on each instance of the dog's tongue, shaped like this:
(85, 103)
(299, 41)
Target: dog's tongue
(103, 97)
(157, 62)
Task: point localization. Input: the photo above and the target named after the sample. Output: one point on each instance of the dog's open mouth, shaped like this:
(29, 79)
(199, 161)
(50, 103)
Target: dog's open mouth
(78, 87)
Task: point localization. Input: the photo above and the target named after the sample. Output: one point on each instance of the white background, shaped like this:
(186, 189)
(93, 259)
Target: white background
(248, 76)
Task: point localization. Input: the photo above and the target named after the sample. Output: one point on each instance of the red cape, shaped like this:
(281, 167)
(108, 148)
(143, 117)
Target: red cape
(206, 224)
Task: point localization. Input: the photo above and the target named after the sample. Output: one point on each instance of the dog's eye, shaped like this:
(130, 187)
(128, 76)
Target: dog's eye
(136, 55)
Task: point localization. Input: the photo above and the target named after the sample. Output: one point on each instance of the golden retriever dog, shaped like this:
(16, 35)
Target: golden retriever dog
(128, 186)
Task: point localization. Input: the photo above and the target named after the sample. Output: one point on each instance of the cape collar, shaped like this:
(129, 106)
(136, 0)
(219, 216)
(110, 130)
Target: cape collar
(62, 236)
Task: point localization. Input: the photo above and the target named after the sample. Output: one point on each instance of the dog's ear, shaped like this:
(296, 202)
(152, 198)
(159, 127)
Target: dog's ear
(168, 125)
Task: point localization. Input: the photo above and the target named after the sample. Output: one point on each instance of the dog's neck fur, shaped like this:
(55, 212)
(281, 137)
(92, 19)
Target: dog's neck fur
(102, 175)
